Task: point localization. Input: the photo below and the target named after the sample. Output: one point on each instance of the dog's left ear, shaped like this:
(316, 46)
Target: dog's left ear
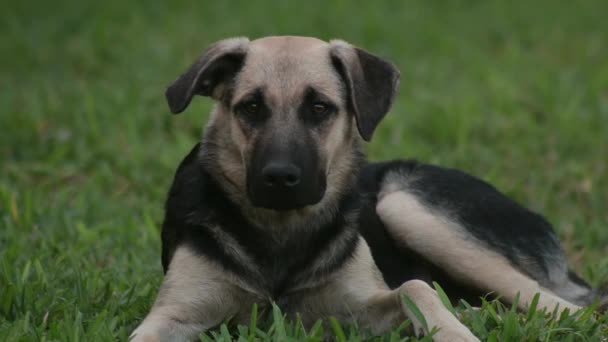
(371, 84)
(208, 75)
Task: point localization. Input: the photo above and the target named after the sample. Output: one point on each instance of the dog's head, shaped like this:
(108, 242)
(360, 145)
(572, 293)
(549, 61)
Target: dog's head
(287, 112)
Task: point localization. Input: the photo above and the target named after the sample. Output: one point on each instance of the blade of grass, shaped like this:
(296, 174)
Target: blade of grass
(337, 329)
(532, 307)
(444, 298)
(253, 322)
(413, 308)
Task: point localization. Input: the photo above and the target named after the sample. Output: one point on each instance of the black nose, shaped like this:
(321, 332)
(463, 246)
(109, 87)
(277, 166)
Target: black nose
(279, 174)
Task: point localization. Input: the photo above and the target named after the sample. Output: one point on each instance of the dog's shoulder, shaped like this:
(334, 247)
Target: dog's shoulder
(187, 208)
(188, 185)
(183, 196)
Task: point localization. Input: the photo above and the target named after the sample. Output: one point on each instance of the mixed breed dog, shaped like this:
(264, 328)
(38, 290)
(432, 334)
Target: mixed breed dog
(277, 203)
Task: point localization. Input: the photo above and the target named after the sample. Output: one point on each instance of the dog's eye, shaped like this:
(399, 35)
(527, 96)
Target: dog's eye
(319, 108)
(251, 112)
(319, 112)
(251, 107)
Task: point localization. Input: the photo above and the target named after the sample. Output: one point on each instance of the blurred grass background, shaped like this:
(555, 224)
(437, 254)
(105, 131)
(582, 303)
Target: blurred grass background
(515, 92)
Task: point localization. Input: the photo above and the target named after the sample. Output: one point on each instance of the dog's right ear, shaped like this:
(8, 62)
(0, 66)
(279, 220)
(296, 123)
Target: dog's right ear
(208, 74)
(371, 83)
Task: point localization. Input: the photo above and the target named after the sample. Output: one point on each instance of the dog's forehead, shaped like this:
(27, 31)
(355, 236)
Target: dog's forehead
(290, 44)
(286, 66)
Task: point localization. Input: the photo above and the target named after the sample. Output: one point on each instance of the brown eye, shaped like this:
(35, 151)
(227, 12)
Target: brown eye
(252, 107)
(319, 108)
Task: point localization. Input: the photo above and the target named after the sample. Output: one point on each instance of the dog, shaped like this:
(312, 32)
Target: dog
(277, 203)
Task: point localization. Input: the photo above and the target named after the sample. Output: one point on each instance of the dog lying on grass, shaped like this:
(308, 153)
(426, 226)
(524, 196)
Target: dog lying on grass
(277, 203)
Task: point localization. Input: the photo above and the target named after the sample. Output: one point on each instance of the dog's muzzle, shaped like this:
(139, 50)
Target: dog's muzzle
(282, 179)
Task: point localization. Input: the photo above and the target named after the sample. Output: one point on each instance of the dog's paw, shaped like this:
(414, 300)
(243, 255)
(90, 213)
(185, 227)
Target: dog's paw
(143, 337)
(449, 331)
(455, 334)
(144, 334)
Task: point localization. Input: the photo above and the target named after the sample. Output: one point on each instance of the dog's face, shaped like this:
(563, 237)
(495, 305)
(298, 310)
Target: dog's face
(287, 110)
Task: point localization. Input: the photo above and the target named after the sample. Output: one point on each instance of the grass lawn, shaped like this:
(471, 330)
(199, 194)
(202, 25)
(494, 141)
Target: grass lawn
(515, 92)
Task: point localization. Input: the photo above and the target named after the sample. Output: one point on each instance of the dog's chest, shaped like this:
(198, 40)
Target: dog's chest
(276, 268)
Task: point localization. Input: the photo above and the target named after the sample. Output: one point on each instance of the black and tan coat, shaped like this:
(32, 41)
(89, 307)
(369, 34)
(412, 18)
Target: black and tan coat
(278, 204)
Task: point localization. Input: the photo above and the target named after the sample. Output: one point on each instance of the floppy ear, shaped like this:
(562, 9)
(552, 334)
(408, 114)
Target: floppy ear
(371, 84)
(208, 73)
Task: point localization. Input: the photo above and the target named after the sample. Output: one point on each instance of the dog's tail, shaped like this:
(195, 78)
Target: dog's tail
(577, 291)
(602, 296)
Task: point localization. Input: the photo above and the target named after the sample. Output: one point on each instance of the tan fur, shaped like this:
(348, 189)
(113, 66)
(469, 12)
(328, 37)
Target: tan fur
(465, 260)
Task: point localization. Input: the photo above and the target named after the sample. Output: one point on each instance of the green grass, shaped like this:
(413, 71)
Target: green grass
(515, 92)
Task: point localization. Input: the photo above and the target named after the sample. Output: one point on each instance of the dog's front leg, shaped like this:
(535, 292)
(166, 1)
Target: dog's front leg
(193, 297)
(358, 292)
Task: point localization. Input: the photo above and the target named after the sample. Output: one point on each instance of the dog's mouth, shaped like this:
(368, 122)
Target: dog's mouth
(281, 197)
